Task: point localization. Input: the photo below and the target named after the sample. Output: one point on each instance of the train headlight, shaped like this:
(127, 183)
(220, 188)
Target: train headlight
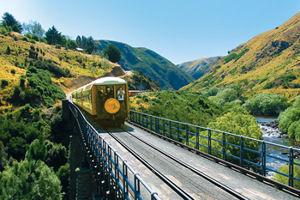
(112, 105)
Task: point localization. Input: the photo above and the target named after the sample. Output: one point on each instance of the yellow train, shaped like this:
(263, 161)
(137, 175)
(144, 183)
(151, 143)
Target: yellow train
(106, 99)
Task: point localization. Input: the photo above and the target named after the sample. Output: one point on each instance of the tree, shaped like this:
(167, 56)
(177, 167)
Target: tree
(37, 150)
(32, 53)
(289, 120)
(10, 23)
(112, 53)
(56, 154)
(8, 50)
(88, 44)
(33, 28)
(225, 96)
(3, 156)
(238, 123)
(78, 41)
(29, 179)
(63, 173)
(285, 180)
(71, 44)
(53, 36)
(266, 104)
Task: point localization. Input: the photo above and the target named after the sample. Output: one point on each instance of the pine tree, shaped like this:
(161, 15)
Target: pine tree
(112, 53)
(53, 36)
(10, 23)
(78, 41)
(90, 45)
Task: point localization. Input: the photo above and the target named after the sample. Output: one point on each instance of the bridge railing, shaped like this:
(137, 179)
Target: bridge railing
(241, 150)
(128, 181)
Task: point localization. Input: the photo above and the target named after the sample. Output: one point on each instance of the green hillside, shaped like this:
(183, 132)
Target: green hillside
(268, 63)
(68, 68)
(149, 63)
(198, 68)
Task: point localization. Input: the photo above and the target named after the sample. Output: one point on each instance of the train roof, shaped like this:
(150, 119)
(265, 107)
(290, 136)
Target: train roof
(103, 81)
(108, 81)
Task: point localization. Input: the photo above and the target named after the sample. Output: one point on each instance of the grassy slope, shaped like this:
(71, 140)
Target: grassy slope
(200, 67)
(182, 106)
(262, 63)
(82, 66)
(137, 81)
(151, 64)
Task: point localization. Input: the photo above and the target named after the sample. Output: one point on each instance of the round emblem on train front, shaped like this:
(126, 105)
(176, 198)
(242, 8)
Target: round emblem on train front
(112, 105)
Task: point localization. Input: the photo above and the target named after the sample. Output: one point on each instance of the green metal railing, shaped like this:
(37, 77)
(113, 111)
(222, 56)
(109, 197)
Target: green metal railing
(244, 151)
(128, 181)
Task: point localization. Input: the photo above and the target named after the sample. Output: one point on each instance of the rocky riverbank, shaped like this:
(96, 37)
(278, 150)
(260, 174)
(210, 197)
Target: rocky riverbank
(270, 129)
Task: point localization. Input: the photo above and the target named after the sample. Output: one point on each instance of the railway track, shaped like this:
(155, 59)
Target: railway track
(165, 179)
(181, 187)
(169, 182)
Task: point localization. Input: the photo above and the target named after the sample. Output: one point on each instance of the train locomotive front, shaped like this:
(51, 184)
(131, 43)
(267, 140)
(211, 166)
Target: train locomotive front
(106, 99)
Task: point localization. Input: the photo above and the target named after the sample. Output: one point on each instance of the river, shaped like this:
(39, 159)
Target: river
(271, 133)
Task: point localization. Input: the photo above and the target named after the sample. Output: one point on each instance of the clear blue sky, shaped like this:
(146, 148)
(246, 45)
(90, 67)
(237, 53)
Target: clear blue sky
(180, 30)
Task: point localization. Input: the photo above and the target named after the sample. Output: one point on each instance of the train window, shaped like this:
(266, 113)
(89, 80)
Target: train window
(121, 93)
(101, 90)
(110, 91)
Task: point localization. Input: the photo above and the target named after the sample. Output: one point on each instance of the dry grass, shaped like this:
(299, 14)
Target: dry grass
(12, 65)
(267, 69)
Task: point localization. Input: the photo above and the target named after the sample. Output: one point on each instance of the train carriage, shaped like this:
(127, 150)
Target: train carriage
(106, 99)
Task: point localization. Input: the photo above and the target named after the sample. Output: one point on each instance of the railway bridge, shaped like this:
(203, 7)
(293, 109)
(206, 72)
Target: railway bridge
(158, 158)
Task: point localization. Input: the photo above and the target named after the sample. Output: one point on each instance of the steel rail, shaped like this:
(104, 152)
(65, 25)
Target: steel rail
(285, 188)
(193, 169)
(216, 130)
(77, 114)
(165, 179)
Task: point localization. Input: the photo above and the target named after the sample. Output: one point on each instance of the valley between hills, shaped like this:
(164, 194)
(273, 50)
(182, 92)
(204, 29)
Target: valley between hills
(260, 77)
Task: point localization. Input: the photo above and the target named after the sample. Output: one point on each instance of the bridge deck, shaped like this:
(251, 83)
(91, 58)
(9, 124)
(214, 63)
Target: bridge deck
(164, 191)
(190, 182)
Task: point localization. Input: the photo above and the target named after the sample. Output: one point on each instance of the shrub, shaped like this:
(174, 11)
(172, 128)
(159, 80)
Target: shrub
(8, 50)
(241, 124)
(56, 154)
(29, 128)
(4, 83)
(235, 56)
(230, 57)
(294, 130)
(284, 81)
(33, 53)
(181, 106)
(40, 89)
(63, 174)
(51, 67)
(17, 147)
(284, 179)
(29, 179)
(266, 104)
(227, 95)
(3, 30)
(227, 99)
(16, 133)
(289, 120)
(22, 82)
(13, 71)
(212, 92)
